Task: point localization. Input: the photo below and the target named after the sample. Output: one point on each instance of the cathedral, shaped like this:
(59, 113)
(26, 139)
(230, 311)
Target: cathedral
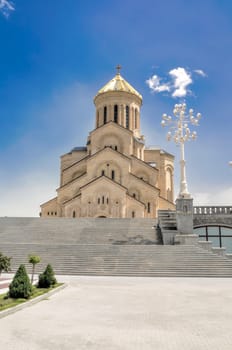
(115, 175)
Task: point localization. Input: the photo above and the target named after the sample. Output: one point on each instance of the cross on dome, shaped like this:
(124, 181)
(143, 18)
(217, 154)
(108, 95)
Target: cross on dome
(118, 67)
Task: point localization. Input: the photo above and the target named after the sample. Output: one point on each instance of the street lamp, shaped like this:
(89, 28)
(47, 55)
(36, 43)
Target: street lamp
(179, 132)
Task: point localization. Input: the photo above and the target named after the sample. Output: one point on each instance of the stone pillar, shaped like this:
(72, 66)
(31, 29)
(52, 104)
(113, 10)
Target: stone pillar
(184, 215)
(123, 115)
(184, 220)
(110, 116)
(138, 120)
(130, 119)
(119, 115)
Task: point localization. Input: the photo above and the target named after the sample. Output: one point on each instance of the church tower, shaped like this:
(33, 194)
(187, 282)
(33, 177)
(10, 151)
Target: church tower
(115, 175)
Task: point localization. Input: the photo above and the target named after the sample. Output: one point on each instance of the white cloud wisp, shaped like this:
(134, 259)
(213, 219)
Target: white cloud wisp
(200, 72)
(155, 85)
(6, 7)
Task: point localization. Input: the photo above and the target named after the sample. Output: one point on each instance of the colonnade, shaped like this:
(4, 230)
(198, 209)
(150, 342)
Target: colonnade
(127, 116)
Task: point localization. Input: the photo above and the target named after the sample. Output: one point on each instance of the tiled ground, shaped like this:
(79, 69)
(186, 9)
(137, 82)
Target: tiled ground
(104, 313)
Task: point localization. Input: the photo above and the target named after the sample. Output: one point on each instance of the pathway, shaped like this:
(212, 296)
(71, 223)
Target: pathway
(119, 313)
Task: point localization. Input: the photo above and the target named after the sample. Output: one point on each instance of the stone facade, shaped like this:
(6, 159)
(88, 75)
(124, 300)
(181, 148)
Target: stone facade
(115, 175)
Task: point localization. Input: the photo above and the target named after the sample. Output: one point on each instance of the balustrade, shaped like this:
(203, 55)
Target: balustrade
(212, 210)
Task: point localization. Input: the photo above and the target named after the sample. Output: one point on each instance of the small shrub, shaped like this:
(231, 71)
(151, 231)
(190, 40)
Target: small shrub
(47, 278)
(4, 263)
(21, 286)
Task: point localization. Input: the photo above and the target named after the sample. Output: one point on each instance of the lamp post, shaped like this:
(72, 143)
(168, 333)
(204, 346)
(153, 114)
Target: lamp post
(179, 132)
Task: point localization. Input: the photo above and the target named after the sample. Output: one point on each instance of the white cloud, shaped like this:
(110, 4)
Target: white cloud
(200, 72)
(181, 80)
(155, 85)
(216, 197)
(6, 7)
(178, 82)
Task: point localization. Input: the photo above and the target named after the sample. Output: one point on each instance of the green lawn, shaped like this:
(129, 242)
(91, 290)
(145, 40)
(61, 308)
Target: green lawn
(6, 303)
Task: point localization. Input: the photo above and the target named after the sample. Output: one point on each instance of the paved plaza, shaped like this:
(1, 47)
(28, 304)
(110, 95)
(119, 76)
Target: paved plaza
(104, 313)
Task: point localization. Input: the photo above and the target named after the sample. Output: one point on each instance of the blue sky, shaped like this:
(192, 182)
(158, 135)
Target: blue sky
(55, 56)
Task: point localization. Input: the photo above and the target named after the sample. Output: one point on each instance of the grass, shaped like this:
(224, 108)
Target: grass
(6, 303)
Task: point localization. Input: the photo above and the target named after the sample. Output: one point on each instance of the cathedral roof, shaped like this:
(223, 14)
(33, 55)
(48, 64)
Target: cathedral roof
(118, 83)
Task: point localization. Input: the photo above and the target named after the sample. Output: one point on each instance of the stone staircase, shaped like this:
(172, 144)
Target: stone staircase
(167, 225)
(105, 247)
(122, 260)
(83, 230)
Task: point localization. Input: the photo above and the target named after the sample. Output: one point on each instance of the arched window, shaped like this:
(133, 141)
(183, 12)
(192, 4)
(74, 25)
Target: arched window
(148, 207)
(127, 117)
(133, 214)
(112, 174)
(136, 121)
(74, 214)
(115, 113)
(103, 199)
(116, 148)
(134, 195)
(103, 172)
(105, 115)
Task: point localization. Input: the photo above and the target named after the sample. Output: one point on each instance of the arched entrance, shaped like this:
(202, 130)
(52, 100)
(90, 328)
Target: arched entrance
(219, 234)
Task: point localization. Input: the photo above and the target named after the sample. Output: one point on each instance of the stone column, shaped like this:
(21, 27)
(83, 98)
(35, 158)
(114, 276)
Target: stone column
(130, 118)
(123, 115)
(110, 116)
(138, 119)
(184, 215)
(119, 115)
(184, 219)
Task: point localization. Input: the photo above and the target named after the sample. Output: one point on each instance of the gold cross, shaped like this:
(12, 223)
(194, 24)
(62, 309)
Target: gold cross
(118, 67)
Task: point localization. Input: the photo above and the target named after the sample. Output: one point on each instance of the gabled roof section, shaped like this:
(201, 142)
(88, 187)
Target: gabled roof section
(110, 149)
(118, 83)
(156, 148)
(112, 123)
(71, 199)
(49, 201)
(103, 177)
(75, 163)
(71, 181)
(146, 183)
(144, 163)
(135, 199)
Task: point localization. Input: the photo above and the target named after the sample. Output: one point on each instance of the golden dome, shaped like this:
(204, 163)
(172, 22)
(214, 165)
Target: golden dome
(118, 83)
